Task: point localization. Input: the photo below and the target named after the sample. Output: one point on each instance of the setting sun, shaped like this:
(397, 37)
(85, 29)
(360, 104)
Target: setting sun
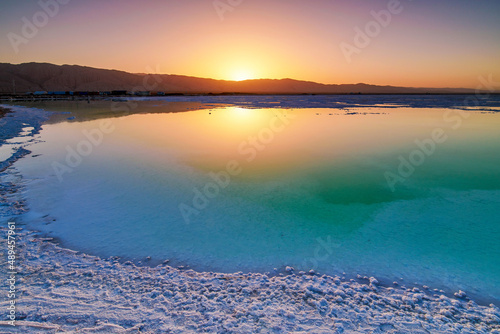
(241, 75)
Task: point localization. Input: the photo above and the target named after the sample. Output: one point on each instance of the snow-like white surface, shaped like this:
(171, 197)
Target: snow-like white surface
(17, 129)
(62, 291)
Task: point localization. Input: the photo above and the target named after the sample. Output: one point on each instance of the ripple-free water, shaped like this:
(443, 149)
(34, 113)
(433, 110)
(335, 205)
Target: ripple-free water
(235, 189)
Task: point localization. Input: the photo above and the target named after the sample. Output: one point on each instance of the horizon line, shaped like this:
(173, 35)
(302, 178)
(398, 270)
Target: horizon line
(246, 80)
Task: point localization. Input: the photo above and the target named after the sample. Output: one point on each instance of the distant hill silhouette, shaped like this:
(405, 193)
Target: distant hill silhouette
(31, 77)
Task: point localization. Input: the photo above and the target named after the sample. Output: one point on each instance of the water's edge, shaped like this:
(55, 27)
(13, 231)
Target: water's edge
(22, 117)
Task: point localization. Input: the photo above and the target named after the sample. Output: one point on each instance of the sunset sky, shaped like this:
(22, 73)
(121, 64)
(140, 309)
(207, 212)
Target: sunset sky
(427, 43)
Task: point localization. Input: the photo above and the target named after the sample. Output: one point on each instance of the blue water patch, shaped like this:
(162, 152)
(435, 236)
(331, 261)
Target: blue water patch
(315, 196)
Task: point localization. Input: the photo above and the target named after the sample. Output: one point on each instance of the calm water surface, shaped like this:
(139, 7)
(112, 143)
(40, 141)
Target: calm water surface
(400, 192)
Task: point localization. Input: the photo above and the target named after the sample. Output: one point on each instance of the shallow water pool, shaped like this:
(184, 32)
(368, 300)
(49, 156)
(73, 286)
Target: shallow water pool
(388, 192)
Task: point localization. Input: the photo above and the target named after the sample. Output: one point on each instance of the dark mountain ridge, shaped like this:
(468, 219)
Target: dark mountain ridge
(31, 77)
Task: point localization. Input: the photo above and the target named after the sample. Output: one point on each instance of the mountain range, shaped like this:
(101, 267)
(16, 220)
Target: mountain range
(31, 77)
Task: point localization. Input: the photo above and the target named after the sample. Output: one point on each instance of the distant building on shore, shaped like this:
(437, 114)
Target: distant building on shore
(142, 93)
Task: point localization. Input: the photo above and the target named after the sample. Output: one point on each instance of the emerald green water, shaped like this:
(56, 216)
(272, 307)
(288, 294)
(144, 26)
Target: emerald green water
(310, 191)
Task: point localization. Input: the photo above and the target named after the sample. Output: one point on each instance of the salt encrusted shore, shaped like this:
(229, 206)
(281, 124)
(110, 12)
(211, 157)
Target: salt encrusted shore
(63, 291)
(60, 290)
(12, 122)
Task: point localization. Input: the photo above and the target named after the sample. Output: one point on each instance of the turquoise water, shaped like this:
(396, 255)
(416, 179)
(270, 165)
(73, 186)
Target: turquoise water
(306, 188)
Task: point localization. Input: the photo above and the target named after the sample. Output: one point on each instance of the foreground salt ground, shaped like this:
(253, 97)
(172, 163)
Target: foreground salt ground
(62, 291)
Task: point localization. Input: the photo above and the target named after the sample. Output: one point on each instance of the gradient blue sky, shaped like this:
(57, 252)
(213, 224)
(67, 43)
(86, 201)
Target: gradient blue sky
(446, 43)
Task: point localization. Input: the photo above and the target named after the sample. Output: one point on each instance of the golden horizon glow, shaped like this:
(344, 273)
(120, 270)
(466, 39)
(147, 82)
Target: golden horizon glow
(242, 75)
(428, 44)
